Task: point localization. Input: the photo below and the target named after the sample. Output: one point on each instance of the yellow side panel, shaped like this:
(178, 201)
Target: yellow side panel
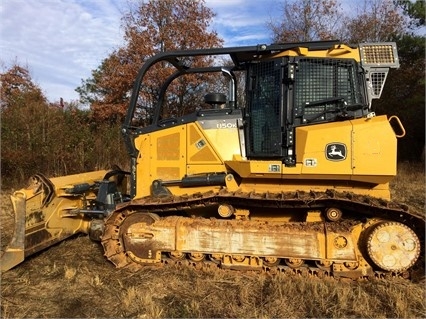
(168, 147)
(143, 143)
(256, 169)
(162, 156)
(168, 159)
(314, 141)
(212, 145)
(225, 140)
(200, 148)
(174, 152)
(374, 148)
(363, 148)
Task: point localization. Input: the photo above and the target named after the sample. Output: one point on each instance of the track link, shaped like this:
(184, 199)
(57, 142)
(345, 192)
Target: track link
(366, 206)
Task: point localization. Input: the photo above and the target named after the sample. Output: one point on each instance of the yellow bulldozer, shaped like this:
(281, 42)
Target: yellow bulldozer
(287, 173)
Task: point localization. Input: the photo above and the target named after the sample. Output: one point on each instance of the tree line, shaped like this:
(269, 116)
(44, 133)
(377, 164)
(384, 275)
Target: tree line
(53, 138)
(61, 137)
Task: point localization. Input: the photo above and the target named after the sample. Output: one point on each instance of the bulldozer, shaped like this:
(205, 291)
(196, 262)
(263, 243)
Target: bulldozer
(288, 174)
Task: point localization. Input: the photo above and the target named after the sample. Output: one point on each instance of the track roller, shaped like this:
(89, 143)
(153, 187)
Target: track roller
(294, 262)
(333, 214)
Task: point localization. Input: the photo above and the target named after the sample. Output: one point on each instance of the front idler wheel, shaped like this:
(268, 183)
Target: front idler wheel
(393, 246)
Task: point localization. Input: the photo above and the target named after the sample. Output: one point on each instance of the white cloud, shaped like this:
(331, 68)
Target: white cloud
(242, 22)
(62, 41)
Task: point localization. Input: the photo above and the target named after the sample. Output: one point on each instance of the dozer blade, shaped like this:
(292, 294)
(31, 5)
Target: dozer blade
(14, 253)
(47, 212)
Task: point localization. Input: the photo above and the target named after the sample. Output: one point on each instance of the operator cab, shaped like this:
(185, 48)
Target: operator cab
(286, 86)
(287, 92)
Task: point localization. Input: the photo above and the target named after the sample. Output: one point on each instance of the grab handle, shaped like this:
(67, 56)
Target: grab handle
(398, 121)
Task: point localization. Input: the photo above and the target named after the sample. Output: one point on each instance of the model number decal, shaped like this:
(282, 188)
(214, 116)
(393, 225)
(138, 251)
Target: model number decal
(226, 125)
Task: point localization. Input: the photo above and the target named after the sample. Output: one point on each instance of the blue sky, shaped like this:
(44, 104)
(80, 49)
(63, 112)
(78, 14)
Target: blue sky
(61, 41)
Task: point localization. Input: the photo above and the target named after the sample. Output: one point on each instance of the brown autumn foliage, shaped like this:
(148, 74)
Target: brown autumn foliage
(149, 27)
(16, 82)
(23, 128)
(51, 138)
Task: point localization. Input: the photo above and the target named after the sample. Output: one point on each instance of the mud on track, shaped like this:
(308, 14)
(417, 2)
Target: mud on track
(74, 280)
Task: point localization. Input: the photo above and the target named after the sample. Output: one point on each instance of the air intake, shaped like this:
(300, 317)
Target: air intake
(379, 55)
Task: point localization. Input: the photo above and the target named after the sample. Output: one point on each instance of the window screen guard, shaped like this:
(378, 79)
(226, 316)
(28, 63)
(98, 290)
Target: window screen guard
(323, 88)
(319, 90)
(264, 122)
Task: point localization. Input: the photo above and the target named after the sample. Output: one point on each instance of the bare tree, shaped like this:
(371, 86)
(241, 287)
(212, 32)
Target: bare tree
(307, 20)
(375, 20)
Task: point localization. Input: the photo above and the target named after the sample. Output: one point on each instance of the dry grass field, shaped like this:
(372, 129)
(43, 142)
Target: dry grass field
(73, 280)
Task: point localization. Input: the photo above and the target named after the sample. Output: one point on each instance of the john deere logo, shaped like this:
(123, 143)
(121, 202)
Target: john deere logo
(335, 152)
